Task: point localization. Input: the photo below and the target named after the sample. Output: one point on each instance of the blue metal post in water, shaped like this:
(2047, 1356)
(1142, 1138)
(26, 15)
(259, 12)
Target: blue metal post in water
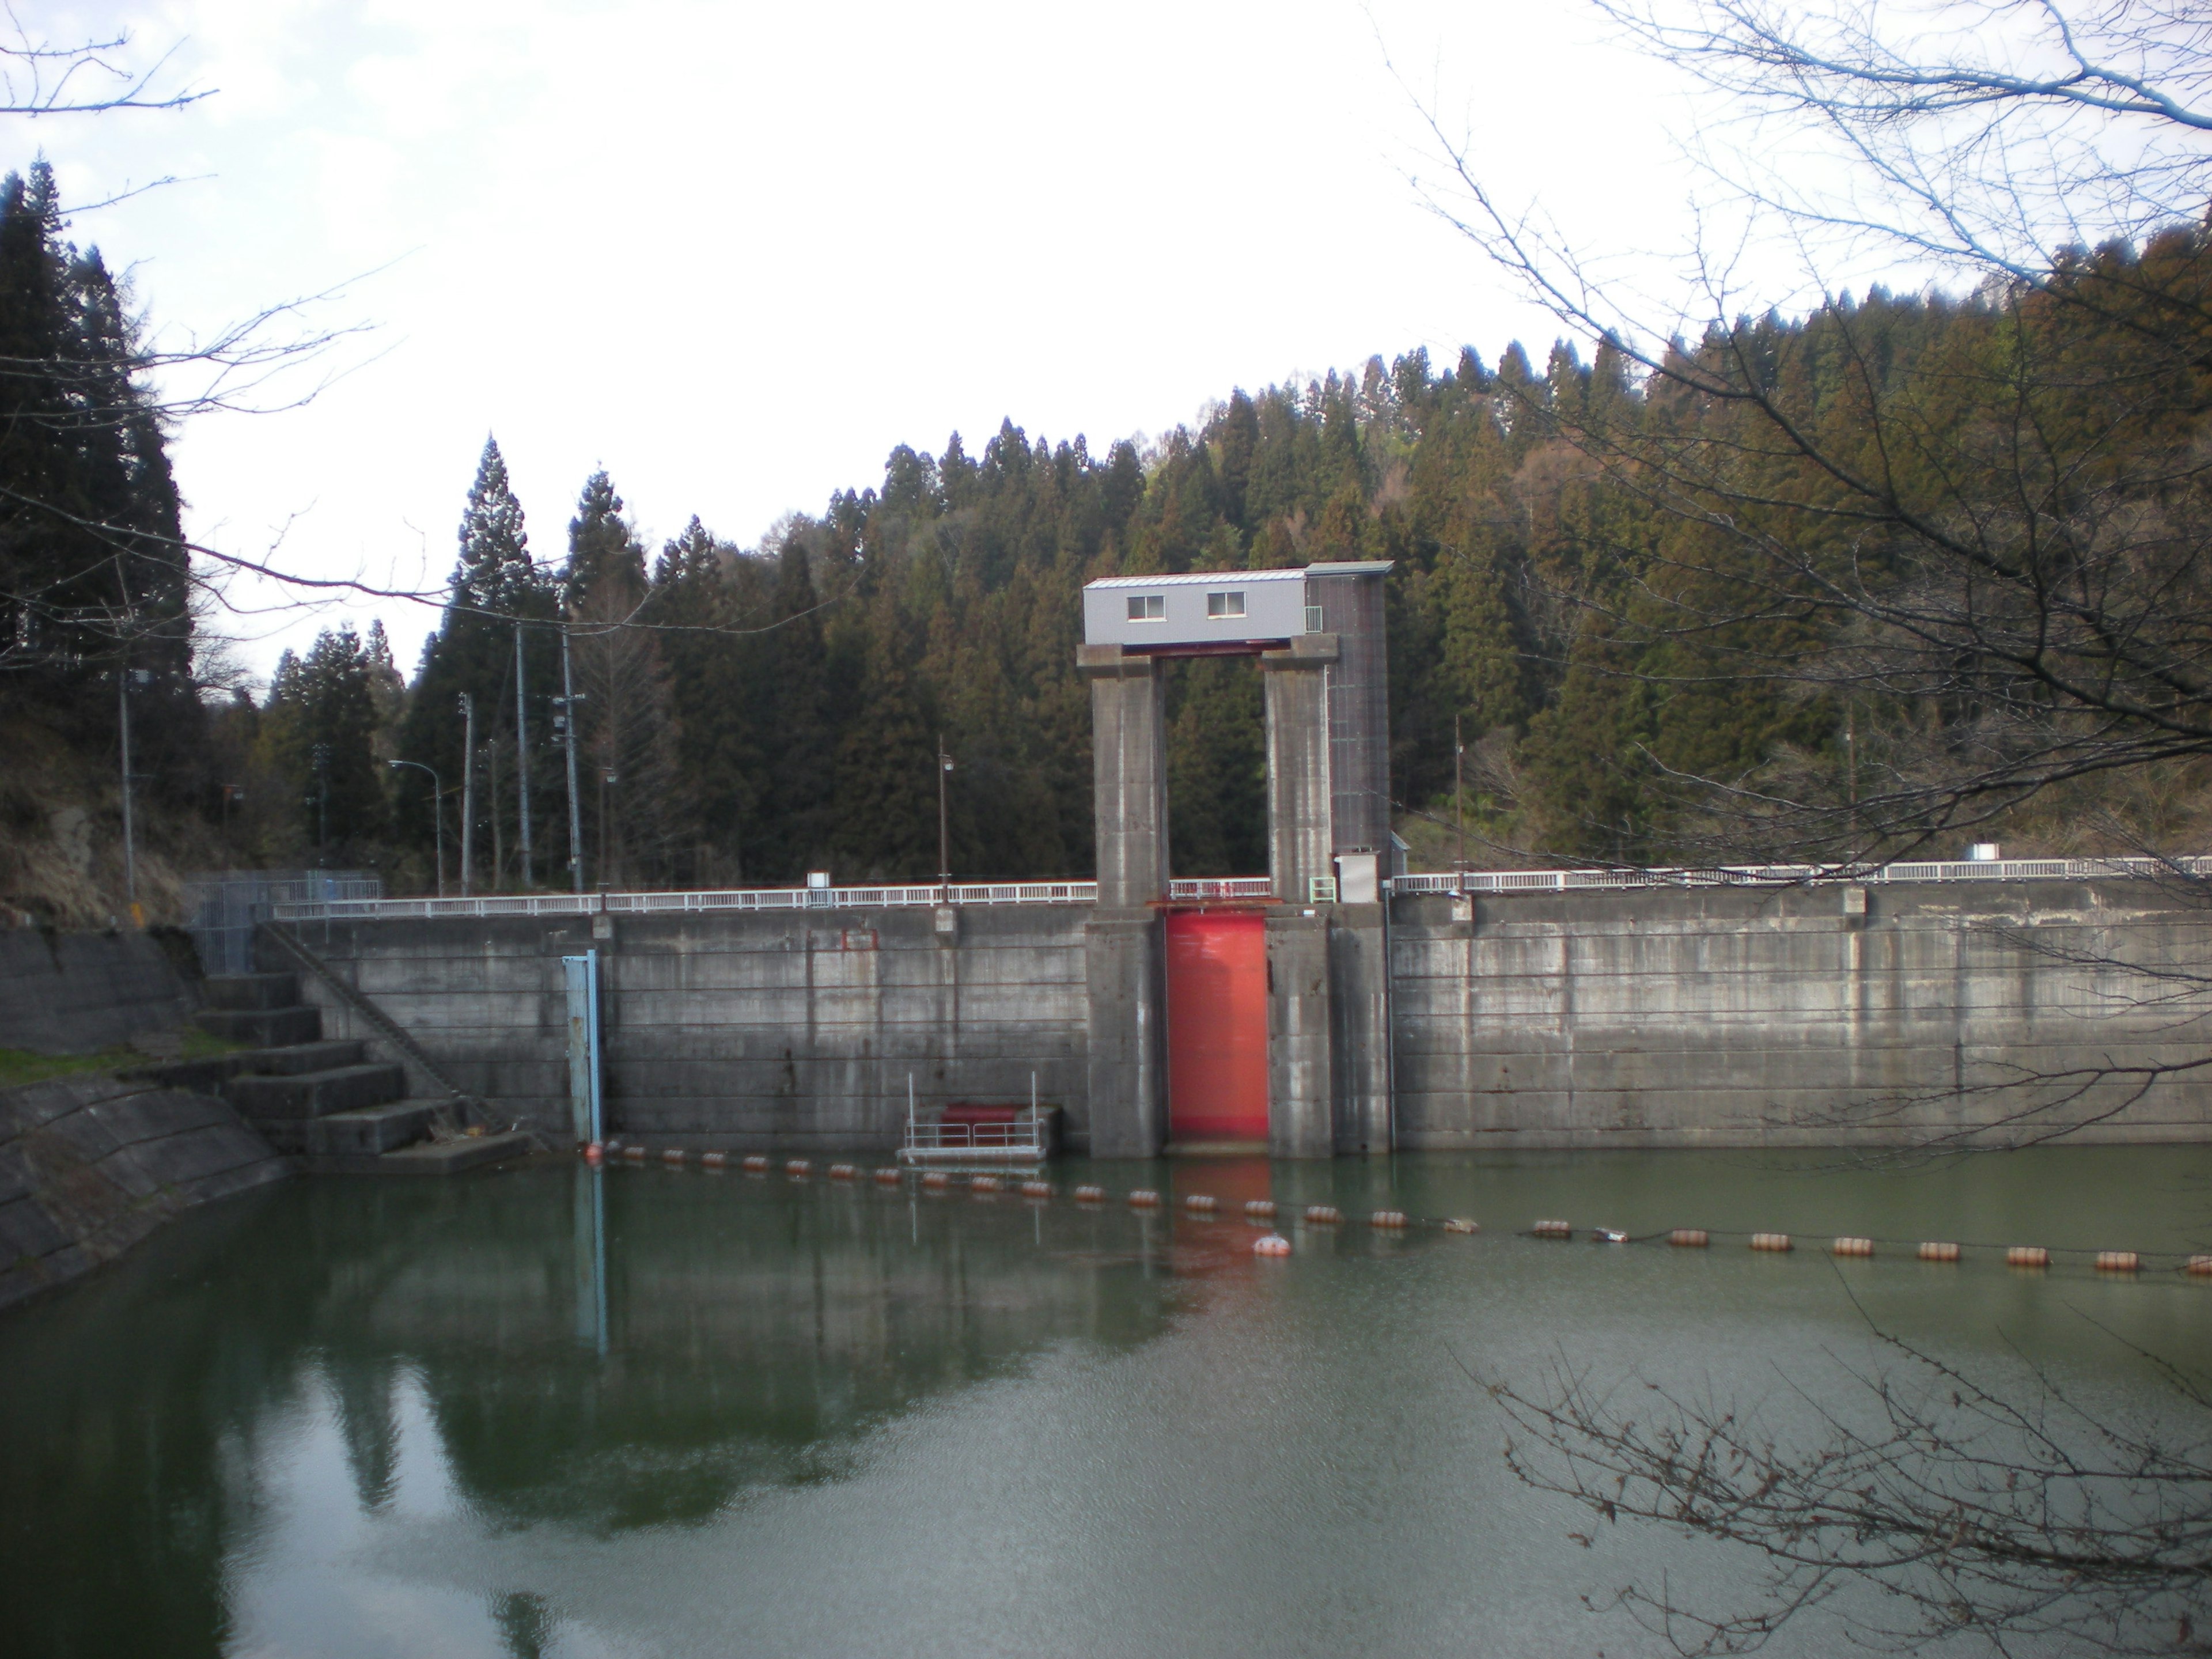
(585, 1108)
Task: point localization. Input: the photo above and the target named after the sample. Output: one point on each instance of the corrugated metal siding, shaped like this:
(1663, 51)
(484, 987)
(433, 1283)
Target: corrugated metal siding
(1274, 609)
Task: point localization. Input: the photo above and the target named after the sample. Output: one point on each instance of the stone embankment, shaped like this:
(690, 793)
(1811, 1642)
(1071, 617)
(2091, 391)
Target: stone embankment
(91, 1165)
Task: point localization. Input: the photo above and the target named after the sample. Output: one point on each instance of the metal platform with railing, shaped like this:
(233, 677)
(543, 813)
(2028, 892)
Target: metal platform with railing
(1229, 889)
(1014, 1141)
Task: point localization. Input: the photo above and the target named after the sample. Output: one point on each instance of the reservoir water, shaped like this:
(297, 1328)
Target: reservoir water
(550, 1412)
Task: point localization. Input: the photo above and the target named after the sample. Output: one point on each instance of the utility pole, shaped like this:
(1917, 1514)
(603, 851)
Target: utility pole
(129, 839)
(943, 836)
(607, 781)
(437, 816)
(468, 783)
(522, 757)
(569, 736)
(322, 753)
(1459, 795)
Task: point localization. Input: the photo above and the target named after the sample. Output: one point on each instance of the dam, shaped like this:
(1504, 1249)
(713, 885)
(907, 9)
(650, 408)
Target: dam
(1336, 1007)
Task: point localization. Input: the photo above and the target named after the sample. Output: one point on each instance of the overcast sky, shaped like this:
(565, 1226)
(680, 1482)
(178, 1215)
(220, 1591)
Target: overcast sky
(736, 252)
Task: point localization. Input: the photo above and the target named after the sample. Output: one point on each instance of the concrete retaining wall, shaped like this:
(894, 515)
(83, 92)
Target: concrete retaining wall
(791, 1030)
(1657, 1018)
(62, 993)
(1733, 1018)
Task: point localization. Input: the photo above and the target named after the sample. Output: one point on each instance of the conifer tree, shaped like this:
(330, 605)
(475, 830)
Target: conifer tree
(632, 798)
(495, 586)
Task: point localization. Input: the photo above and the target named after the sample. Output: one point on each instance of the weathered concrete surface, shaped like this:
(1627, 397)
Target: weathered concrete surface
(91, 1165)
(1300, 1092)
(1359, 1037)
(1657, 1018)
(1736, 1017)
(1301, 839)
(786, 1029)
(1124, 1111)
(62, 993)
(1129, 761)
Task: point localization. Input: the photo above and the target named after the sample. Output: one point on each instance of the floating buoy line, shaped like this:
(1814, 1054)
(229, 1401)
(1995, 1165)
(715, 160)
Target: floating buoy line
(1264, 1211)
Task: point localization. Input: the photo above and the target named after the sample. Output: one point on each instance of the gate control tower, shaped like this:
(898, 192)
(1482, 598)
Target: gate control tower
(1317, 635)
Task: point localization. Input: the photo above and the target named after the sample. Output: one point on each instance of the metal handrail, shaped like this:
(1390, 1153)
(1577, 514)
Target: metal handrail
(1234, 887)
(736, 898)
(1796, 875)
(1224, 887)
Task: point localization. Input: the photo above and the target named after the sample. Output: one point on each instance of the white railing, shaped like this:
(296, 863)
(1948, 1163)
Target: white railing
(735, 898)
(1234, 887)
(1224, 887)
(1793, 875)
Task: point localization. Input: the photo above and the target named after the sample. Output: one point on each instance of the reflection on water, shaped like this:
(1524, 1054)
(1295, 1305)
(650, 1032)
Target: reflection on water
(557, 1412)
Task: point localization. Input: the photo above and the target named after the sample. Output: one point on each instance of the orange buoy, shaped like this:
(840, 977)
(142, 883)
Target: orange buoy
(1689, 1239)
(1324, 1215)
(1939, 1250)
(1144, 1199)
(2027, 1255)
(1852, 1246)
(935, 1180)
(1388, 1220)
(983, 1183)
(1552, 1229)
(1271, 1245)
(1461, 1225)
(842, 1172)
(799, 1167)
(673, 1155)
(1036, 1189)
(1260, 1209)
(887, 1177)
(634, 1153)
(1772, 1242)
(714, 1160)
(593, 1154)
(1089, 1195)
(2118, 1261)
(1200, 1203)
(756, 1163)
(2198, 1266)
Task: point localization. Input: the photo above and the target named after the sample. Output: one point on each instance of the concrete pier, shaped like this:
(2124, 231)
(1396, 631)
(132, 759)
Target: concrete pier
(1301, 833)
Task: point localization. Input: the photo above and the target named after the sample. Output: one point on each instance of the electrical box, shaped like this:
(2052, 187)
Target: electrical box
(1358, 879)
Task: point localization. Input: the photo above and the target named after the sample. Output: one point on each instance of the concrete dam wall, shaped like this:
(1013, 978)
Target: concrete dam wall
(1814, 1015)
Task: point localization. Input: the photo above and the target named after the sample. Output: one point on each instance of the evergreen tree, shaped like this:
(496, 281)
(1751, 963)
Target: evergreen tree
(494, 589)
(320, 731)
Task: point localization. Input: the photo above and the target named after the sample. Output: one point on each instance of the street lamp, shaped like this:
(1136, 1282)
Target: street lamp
(437, 816)
(944, 838)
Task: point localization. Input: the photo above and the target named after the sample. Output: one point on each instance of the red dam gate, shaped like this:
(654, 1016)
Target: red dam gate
(1216, 1026)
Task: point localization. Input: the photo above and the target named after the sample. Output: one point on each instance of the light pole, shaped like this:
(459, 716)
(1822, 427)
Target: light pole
(468, 782)
(522, 758)
(437, 818)
(322, 754)
(944, 834)
(607, 781)
(1459, 795)
(130, 838)
(565, 728)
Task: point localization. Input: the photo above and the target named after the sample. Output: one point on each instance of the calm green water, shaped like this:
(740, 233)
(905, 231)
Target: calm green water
(656, 1413)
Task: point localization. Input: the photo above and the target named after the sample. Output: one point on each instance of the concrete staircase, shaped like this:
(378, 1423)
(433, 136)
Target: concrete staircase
(324, 1102)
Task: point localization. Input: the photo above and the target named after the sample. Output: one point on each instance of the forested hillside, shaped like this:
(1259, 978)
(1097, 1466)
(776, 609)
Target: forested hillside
(1633, 599)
